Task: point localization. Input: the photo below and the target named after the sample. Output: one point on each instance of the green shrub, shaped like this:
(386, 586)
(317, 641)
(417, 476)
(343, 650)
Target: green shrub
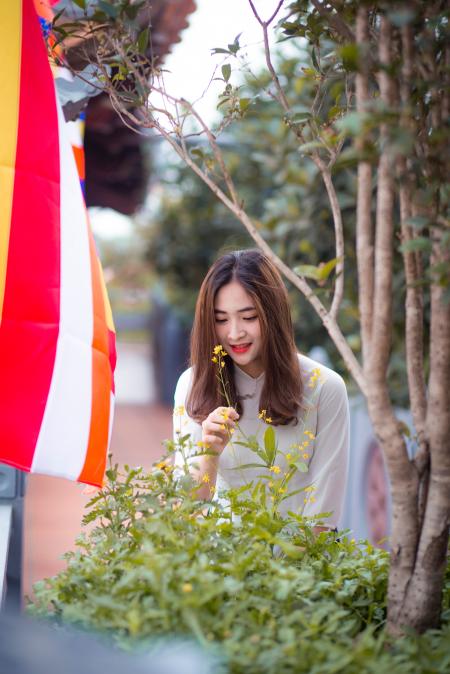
(259, 589)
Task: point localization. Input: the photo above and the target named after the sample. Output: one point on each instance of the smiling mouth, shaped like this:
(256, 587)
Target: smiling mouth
(241, 348)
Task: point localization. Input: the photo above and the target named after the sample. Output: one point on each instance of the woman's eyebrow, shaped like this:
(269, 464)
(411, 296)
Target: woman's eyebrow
(240, 311)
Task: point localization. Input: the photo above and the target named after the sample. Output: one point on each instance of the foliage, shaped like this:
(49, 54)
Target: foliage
(260, 591)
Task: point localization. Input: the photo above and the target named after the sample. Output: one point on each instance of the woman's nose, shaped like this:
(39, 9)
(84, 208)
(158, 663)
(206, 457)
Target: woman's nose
(236, 331)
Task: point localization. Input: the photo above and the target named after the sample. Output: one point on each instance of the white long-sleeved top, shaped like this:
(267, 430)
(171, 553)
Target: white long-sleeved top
(321, 437)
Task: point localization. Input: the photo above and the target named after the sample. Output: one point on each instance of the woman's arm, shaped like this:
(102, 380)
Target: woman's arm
(329, 463)
(213, 434)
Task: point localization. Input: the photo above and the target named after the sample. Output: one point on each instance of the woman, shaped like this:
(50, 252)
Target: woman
(243, 306)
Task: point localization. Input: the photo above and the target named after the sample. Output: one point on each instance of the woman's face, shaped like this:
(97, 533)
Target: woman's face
(238, 328)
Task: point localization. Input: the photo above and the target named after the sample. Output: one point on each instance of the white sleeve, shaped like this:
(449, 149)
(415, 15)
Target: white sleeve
(182, 423)
(329, 463)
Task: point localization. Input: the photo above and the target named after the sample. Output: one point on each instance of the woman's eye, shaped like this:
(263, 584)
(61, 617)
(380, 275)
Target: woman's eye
(220, 320)
(251, 318)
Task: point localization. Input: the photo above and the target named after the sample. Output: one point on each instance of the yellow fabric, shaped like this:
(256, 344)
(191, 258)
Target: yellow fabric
(10, 55)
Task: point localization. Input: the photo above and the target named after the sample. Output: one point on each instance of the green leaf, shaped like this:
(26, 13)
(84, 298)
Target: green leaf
(312, 145)
(244, 103)
(325, 268)
(421, 243)
(308, 271)
(249, 465)
(301, 117)
(142, 41)
(226, 71)
(219, 50)
(270, 445)
(110, 10)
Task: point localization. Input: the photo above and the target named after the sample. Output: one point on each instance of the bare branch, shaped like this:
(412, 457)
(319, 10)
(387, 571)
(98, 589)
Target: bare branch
(338, 233)
(258, 18)
(216, 151)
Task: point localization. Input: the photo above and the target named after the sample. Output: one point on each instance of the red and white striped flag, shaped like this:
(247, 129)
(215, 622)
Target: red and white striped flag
(57, 342)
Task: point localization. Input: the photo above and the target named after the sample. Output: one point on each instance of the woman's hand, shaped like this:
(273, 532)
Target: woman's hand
(218, 428)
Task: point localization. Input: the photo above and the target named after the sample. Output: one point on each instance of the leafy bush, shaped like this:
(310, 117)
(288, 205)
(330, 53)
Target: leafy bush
(260, 590)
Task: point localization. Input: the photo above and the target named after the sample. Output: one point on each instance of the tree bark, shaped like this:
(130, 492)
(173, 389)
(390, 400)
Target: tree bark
(364, 226)
(403, 475)
(423, 603)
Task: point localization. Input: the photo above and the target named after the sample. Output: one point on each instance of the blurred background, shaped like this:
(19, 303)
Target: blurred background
(158, 228)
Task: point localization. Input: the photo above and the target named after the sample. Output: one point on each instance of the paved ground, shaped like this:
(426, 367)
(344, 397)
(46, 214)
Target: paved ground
(54, 507)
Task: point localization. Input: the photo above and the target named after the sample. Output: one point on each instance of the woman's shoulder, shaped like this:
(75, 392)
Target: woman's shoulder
(183, 386)
(315, 374)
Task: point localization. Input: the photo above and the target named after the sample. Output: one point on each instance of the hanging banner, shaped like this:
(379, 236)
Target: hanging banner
(57, 342)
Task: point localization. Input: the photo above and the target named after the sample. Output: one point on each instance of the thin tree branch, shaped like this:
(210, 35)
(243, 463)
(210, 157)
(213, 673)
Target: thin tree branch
(338, 234)
(364, 225)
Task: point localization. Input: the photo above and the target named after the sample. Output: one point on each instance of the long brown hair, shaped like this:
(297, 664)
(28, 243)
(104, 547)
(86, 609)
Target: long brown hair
(282, 391)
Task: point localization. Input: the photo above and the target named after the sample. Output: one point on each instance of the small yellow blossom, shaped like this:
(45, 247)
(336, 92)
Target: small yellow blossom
(217, 349)
(222, 364)
(179, 411)
(225, 415)
(262, 414)
(305, 500)
(212, 491)
(282, 490)
(187, 587)
(305, 456)
(306, 443)
(232, 430)
(214, 359)
(275, 469)
(206, 478)
(288, 457)
(202, 444)
(310, 489)
(223, 427)
(268, 420)
(312, 499)
(270, 484)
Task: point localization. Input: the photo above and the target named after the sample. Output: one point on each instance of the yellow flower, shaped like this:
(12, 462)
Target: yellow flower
(224, 353)
(214, 359)
(231, 431)
(305, 456)
(282, 490)
(268, 420)
(217, 349)
(212, 491)
(310, 489)
(262, 414)
(222, 364)
(288, 457)
(305, 500)
(271, 484)
(206, 478)
(187, 587)
(275, 469)
(205, 445)
(312, 499)
(179, 411)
